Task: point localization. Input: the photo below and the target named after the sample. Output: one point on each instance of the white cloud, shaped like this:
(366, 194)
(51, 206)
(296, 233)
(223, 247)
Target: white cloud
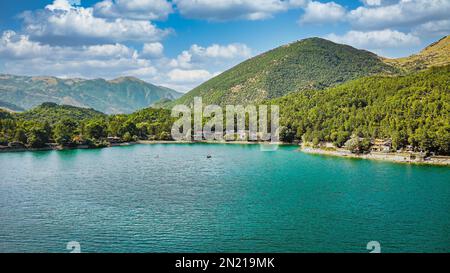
(405, 13)
(20, 55)
(62, 23)
(376, 39)
(143, 72)
(60, 5)
(394, 27)
(134, 9)
(317, 12)
(152, 50)
(13, 46)
(183, 60)
(379, 2)
(372, 2)
(189, 76)
(109, 50)
(193, 66)
(379, 14)
(221, 10)
(214, 54)
(217, 51)
(433, 28)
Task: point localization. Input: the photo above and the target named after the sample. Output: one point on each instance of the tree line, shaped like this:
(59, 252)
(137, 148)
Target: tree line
(71, 126)
(411, 110)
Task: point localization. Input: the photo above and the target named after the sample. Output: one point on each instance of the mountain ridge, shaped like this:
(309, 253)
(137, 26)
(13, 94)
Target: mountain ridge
(10, 107)
(435, 54)
(333, 65)
(312, 63)
(120, 95)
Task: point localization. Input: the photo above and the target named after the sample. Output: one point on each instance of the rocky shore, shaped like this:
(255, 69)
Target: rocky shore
(409, 158)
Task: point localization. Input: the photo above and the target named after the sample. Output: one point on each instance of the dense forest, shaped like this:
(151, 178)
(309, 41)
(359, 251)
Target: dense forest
(70, 126)
(410, 110)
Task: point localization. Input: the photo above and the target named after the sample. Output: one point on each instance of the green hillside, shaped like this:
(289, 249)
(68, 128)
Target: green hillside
(304, 65)
(410, 110)
(436, 54)
(122, 95)
(52, 113)
(71, 126)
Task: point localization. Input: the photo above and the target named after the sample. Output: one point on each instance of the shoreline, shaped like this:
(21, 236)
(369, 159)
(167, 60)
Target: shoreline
(4, 149)
(60, 148)
(402, 158)
(150, 142)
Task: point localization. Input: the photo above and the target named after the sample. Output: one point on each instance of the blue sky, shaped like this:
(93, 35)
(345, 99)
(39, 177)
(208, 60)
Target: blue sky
(181, 43)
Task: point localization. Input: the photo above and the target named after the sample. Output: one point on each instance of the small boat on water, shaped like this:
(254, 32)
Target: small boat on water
(208, 156)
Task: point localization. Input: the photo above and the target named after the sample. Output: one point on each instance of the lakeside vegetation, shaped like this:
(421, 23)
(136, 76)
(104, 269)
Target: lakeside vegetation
(412, 110)
(69, 126)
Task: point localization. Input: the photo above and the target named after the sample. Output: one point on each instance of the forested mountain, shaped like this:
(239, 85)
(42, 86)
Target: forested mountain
(52, 113)
(436, 54)
(70, 126)
(122, 95)
(304, 65)
(411, 110)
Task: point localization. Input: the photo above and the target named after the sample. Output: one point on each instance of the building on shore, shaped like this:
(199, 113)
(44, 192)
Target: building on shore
(114, 140)
(381, 145)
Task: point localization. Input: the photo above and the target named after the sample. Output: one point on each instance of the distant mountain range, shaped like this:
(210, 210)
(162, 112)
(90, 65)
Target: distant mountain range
(10, 107)
(310, 64)
(122, 95)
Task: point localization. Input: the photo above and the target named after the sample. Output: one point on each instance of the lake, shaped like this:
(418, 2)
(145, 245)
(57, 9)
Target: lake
(172, 198)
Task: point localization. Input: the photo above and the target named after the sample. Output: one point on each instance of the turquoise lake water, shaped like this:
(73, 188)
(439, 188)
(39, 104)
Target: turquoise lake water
(171, 198)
